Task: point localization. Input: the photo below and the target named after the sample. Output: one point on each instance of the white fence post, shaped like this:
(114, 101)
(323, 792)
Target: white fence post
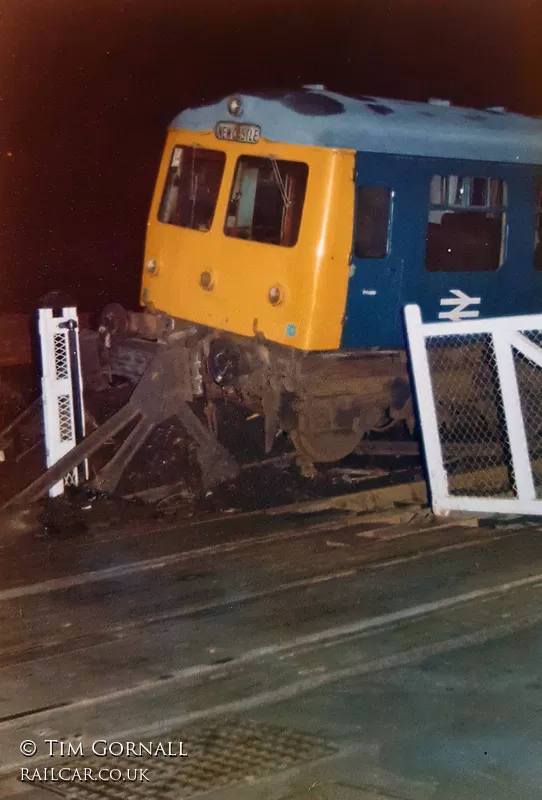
(423, 387)
(62, 395)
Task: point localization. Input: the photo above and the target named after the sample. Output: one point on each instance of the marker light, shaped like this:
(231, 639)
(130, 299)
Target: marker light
(206, 280)
(152, 266)
(275, 295)
(235, 106)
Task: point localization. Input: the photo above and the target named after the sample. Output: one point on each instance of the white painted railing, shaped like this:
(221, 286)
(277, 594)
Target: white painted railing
(62, 394)
(478, 385)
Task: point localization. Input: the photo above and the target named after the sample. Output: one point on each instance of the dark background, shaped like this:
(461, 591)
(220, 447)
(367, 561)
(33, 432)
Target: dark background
(87, 90)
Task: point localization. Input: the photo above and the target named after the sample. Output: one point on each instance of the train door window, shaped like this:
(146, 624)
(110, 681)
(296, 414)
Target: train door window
(466, 225)
(538, 231)
(192, 187)
(266, 201)
(372, 223)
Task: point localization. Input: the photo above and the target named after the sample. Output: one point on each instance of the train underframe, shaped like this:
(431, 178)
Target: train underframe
(324, 401)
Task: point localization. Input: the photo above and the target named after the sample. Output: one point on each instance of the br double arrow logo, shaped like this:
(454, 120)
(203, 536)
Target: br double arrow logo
(460, 303)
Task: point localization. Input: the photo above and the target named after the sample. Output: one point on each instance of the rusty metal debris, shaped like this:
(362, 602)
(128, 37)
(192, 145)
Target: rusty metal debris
(157, 397)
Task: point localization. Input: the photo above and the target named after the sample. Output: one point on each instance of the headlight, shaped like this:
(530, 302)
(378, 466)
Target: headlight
(275, 295)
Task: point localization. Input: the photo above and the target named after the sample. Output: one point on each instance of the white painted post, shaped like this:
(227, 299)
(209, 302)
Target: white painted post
(57, 381)
(423, 387)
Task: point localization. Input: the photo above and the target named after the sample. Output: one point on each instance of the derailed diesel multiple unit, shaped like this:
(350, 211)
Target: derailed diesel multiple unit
(288, 230)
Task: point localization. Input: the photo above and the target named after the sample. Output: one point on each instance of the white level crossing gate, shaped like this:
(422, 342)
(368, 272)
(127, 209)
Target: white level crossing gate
(62, 395)
(478, 385)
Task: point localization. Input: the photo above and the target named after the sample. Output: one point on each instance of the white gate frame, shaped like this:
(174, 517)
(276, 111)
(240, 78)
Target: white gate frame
(62, 394)
(505, 333)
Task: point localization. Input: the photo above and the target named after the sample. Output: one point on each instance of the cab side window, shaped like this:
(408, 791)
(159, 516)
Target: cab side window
(466, 224)
(372, 221)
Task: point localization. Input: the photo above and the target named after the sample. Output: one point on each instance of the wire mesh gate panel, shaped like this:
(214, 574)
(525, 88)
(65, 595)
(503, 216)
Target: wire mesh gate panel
(62, 395)
(478, 386)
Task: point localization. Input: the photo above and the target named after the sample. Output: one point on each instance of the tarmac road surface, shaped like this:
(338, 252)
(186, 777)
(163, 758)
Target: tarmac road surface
(297, 655)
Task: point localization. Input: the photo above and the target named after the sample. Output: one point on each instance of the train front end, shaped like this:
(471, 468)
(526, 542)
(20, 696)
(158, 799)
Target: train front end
(244, 234)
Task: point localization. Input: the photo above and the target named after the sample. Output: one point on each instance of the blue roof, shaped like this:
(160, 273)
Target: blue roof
(314, 116)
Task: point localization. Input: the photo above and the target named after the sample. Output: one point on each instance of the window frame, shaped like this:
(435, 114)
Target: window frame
(168, 185)
(389, 226)
(447, 207)
(236, 180)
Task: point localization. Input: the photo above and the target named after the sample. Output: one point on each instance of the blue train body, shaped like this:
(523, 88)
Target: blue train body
(401, 146)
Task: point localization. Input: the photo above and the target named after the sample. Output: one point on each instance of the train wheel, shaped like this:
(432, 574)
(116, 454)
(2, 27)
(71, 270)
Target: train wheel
(324, 446)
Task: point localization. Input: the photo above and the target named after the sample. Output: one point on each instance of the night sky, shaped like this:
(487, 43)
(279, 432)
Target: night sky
(87, 90)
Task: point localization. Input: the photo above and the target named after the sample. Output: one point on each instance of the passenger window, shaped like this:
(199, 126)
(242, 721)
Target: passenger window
(465, 231)
(266, 201)
(192, 187)
(373, 205)
(538, 232)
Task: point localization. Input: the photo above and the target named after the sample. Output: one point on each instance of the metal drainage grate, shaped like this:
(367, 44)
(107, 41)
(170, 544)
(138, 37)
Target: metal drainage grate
(217, 756)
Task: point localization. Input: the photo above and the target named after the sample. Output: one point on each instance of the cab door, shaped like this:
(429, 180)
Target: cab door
(388, 235)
